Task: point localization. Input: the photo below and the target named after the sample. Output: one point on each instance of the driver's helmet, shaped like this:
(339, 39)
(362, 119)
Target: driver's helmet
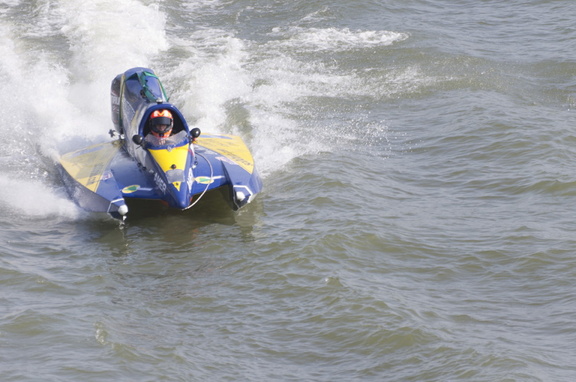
(161, 123)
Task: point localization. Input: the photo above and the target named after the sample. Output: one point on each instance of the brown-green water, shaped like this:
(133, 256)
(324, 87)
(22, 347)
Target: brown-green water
(417, 221)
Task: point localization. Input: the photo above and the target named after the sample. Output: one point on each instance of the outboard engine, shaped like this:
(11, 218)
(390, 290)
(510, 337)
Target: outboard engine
(129, 91)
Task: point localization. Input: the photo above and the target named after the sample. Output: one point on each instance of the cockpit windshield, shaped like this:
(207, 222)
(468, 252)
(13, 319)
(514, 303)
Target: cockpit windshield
(163, 143)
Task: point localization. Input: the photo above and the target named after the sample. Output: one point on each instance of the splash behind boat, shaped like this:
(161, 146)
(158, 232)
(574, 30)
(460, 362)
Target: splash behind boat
(176, 171)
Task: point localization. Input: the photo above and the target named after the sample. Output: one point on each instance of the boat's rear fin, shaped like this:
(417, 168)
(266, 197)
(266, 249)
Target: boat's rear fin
(243, 185)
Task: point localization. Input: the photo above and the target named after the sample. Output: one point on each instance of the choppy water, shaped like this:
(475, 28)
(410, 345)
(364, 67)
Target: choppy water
(417, 222)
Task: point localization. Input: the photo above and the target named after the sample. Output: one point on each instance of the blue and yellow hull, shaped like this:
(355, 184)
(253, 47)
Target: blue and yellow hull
(103, 177)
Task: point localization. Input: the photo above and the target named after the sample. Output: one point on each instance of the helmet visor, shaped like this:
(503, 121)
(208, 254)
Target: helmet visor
(161, 121)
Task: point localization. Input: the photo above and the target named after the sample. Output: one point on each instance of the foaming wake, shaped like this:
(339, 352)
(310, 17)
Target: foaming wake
(219, 90)
(227, 85)
(32, 198)
(106, 37)
(335, 39)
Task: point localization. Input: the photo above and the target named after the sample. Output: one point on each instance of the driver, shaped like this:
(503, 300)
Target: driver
(161, 123)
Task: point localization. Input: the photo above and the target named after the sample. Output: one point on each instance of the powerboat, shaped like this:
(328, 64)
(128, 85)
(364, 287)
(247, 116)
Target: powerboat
(176, 170)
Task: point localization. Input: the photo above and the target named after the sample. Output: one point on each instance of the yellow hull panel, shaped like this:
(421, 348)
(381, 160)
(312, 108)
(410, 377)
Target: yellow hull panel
(88, 165)
(230, 146)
